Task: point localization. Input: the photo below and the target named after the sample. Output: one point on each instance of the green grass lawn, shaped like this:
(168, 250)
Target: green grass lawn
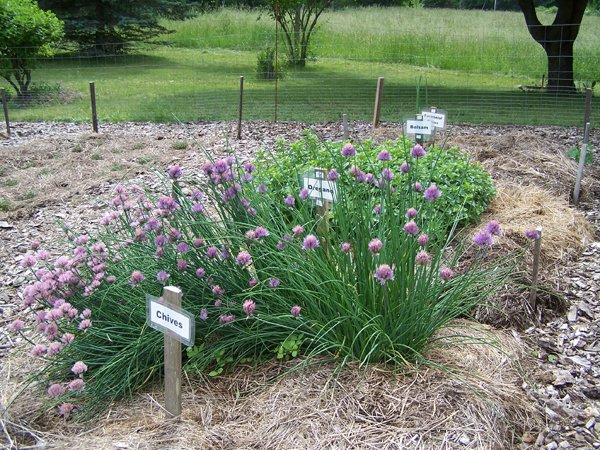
(467, 62)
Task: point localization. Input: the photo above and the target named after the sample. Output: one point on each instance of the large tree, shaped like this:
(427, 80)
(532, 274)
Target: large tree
(557, 39)
(109, 26)
(27, 33)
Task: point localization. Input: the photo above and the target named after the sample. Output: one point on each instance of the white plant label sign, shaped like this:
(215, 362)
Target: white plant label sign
(178, 323)
(436, 117)
(419, 127)
(320, 188)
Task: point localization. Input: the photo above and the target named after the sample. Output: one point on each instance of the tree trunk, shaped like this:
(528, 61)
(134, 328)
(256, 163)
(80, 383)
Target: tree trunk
(557, 40)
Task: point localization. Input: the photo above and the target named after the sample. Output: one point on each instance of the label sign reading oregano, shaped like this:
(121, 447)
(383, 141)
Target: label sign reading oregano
(320, 188)
(436, 117)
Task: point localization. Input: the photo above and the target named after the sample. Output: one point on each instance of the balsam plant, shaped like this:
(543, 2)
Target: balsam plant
(370, 278)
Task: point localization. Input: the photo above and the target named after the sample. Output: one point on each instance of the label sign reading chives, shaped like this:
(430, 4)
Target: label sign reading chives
(178, 323)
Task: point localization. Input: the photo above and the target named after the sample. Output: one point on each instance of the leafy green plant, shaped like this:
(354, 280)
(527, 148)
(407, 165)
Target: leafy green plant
(468, 187)
(11, 182)
(97, 157)
(266, 67)
(4, 204)
(369, 278)
(180, 145)
(575, 153)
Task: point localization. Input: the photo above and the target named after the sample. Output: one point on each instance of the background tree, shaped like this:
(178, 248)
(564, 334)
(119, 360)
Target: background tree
(557, 39)
(27, 33)
(109, 26)
(297, 20)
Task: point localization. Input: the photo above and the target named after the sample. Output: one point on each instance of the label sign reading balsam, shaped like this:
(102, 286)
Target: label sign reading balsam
(319, 188)
(419, 127)
(436, 118)
(178, 323)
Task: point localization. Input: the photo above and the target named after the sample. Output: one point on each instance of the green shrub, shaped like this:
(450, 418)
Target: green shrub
(575, 153)
(266, 68)
(370, 278)
(468, 188)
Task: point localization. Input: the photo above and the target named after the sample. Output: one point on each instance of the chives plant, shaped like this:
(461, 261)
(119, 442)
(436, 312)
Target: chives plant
(370, 277)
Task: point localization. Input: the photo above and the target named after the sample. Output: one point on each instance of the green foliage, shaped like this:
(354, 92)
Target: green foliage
(265, 65)
(575, 152)
(468, 187)
(110, 26)
(27, 33)
(4, 204)
(265, 278)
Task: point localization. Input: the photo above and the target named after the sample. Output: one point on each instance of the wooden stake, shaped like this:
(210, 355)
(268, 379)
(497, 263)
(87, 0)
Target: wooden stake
(5, 107)
(93, 99)
(345, 126)
(582, 154)
(172, 298)
(377, 111)
(588, 106)
(537, 248)
(239, 129)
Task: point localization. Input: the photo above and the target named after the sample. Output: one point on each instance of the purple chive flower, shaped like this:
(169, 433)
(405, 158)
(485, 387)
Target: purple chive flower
(76, 385)
(16, 325)
(387, 174)
(411, 228)
(417, 151)
(85, 314)
(262, 188)
(34, 245)
(274, 282)
(160, 240)
(298, 230)
(249, 167)
(198, 208)
(432, 193)
(354, 171)
(136, 278)
(423, 239)
(212, 252)
(250, 234)
(383, 155)
(200, 272)
(67, 338)
(249, 306)
(260, 232)
(303, 194)
(383, 274)
(346, 246)
(423, 258)
(375, 246)
(181, 264)
(446, 273)
(174, 172)
(38, 350)
(81, 240)
(289, 200)
(56, 390)
(332, 175)
(226, 318)
(65, 409)
(79, 367)
(348, 150)
(418, 187)
(28, 261)
(377, 209)
(411, 213)
(183, 247)
(85, 324)
(532, 234)
(310, 242)
(198, 242)
(295, 311)
(280, 245)
(217, 290)
(203, 314)
(221, 166)
(483, 238)
(54, 348)
(243, 258)
(253, 282)
(218, 303)
(493, 227)
(404, 167)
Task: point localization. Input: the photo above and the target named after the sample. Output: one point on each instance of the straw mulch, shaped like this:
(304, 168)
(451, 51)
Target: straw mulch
(315, 408)
(526, 159)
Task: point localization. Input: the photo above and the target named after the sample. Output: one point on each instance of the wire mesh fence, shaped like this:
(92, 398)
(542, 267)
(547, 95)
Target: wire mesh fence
(169, 84)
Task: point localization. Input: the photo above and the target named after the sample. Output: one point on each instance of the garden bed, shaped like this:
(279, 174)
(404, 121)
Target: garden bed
(67, 174)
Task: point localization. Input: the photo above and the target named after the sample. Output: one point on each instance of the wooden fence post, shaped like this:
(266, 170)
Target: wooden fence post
(582, 155)
(377, 111)
(537, 248)
(94, 113)
(172, 298)
(587, 112)
(5, 107)
(239, 128)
